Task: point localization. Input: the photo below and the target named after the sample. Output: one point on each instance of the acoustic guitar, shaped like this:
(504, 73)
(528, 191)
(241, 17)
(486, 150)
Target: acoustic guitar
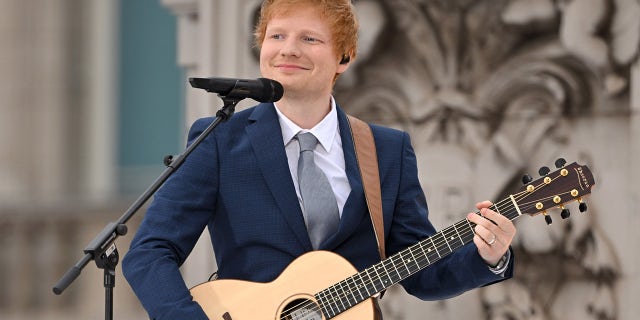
(322, 285)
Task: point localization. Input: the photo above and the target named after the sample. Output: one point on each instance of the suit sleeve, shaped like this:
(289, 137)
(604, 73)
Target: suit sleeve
(461, 271)
(172, 224)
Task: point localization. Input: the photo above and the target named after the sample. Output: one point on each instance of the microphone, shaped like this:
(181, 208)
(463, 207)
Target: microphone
(261, 89)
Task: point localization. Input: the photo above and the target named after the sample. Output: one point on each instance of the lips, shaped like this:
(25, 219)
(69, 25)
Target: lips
(286, 66)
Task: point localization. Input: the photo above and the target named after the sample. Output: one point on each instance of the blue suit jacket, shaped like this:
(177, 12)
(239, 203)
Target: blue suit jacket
(238, 183)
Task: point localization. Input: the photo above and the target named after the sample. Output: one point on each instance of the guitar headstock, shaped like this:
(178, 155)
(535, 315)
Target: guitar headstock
(555, 189)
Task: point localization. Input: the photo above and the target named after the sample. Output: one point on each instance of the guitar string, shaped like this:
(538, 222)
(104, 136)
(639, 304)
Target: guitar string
(315, 307)
(440, 244)
(312, 306)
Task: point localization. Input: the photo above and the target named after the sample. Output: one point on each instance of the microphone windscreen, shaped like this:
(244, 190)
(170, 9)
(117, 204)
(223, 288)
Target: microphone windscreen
(272, 90)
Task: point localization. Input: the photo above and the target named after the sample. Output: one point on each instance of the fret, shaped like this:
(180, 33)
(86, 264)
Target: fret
(327, 312)
(381, 268)
(346, 291)
(387, 267)
(404, 262)
(405, 272)
(424, 253)
(411, 262)
(322, 296)
(467, 233)
(367, 284)
(359, 284)
(351, 286)
(355, 285)
(382, 283)
(442, 243)
(455, 226)
(339, 295)
(325, 305)
(512, 214)
(515, 205)
(471, 226)
(495, 205)
(335, 308)
(416, 261)
(453, 238)
(395, 268)
(435, 248)
(334, 296)
(508, 211)
(376, 281)
(430, 251)
(450, 235)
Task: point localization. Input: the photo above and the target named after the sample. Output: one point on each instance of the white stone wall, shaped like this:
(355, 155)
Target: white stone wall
(518, 85)
(57, 131)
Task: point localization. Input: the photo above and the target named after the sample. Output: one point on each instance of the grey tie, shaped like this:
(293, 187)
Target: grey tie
(320, 207)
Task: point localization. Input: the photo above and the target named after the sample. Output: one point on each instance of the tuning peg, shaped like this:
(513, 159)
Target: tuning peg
(565, 213)
(560, 163)
(544, 171)
(582, 206)
(526, 179)
(547, 218)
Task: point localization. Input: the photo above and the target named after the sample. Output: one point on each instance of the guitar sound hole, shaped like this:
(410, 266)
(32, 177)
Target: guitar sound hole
(302, 309)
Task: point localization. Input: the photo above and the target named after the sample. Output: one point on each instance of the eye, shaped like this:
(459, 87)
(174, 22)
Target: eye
(276, 36)
(310, 39)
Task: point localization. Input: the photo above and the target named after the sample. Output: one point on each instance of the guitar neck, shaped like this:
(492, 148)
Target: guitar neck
(363, 285)
(568, 183)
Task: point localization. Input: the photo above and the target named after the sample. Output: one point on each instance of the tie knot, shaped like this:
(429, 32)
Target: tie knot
(307, 141)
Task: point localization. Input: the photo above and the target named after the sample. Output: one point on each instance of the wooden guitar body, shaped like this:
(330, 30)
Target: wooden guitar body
(308, 274)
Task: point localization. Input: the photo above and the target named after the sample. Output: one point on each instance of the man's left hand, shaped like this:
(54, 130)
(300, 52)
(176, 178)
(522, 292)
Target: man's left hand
(493, 233)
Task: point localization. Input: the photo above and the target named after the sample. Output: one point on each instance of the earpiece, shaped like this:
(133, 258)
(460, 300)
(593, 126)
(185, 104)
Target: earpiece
(345, 59)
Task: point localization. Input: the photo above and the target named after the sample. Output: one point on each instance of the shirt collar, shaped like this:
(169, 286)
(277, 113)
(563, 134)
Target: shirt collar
(324, 131)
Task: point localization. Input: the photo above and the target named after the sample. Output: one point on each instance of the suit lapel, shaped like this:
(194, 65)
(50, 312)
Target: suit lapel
(355, 207)
(265, 135)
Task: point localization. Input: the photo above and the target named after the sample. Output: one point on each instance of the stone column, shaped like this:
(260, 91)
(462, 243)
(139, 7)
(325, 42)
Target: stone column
(97, 180)
(628, 306)
(213, 41)
(214, 37)
(58, 101)
(34, 99)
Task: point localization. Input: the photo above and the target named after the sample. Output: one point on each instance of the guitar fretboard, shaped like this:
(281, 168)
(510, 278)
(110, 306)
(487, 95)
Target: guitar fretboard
(363, 285)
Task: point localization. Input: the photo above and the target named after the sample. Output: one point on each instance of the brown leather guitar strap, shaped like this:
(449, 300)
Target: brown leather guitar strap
(368, 163)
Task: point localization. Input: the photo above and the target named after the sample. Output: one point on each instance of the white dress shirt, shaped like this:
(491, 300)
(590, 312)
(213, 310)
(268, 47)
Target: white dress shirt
(328, 153)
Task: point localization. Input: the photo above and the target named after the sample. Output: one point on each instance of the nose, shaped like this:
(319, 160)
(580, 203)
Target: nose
(290, 48)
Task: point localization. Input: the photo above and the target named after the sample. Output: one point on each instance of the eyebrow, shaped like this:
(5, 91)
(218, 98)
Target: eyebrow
(303, 32)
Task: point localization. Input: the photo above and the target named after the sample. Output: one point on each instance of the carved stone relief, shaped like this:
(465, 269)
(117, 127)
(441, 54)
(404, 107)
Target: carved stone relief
(489, 90)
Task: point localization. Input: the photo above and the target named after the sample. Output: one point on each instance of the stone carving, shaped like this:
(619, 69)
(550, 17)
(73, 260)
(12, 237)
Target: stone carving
(489, 90)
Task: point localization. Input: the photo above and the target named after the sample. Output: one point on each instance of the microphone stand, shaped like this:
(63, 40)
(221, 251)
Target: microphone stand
(102, 248)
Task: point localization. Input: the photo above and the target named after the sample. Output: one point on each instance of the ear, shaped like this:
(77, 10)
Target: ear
(345, 59)
(344, 63)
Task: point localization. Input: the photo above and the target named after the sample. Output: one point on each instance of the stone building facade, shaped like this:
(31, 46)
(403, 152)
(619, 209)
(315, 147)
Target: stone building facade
(488, 90)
